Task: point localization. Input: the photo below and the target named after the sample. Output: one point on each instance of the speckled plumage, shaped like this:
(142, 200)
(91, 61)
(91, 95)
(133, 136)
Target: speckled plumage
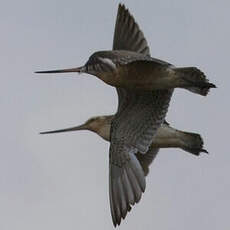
(166, 137)
(139, 115)
(144, 86)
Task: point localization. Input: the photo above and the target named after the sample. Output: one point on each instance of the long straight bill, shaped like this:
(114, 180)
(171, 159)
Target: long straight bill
(80, 127)
(78, 70)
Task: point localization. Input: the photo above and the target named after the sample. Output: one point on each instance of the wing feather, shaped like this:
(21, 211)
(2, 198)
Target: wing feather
(139, 115)
(126, 180)
(147, 159)
(127, 35)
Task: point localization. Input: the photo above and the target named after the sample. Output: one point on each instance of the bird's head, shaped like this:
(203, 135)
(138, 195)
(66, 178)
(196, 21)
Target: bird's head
(99, 124)
(98, 63)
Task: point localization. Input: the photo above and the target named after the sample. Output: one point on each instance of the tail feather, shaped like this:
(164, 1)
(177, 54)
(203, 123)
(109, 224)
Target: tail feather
(194, 80)
(193, 143)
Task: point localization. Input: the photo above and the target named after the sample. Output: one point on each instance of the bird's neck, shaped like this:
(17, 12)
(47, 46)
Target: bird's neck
(104, 132)
(110, 78)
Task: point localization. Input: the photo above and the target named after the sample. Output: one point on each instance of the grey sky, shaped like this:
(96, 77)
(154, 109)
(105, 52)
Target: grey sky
(61, 181)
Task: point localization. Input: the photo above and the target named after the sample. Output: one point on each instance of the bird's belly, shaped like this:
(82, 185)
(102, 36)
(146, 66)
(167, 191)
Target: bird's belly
(166, 137)
(149, 78)
(166, 143)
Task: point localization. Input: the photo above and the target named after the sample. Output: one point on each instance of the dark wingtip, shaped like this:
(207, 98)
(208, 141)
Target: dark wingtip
(121, 5)
(122, 8)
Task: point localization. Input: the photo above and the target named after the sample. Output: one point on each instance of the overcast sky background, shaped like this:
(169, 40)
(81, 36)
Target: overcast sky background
(61, 181)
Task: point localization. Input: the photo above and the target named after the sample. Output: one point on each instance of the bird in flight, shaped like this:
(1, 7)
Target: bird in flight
(144, 86)
(166, 137)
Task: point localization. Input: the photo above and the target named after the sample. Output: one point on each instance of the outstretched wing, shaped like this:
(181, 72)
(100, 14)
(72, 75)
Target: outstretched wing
(147, 159)
(127, 35)
(138, 117)
(126, 179)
